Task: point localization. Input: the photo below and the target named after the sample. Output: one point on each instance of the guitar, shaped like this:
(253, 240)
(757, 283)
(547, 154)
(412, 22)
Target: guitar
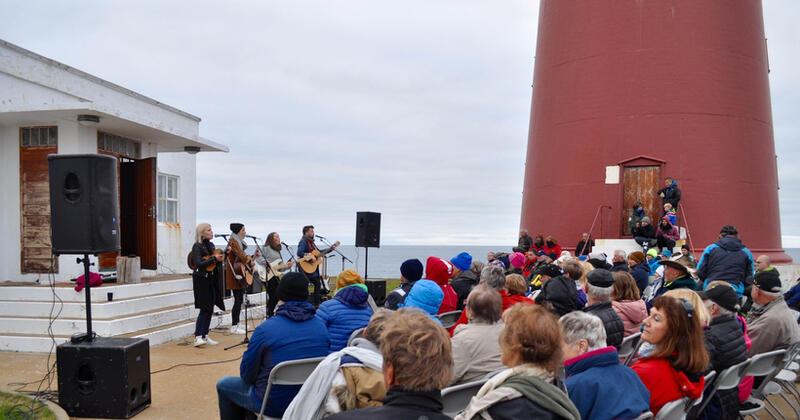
(211, 266)
(308, 264)
(272, 269)
(243, 268)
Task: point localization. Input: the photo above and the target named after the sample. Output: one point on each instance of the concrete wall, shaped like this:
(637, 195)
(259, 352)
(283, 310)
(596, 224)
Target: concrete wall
(175, 239)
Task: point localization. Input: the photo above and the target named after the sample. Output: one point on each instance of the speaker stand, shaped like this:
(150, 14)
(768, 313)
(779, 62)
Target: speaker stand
(87, 284)
(366, 262)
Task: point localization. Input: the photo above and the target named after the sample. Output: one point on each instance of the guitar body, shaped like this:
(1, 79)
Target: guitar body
(211, 267)
(309, 266)
(245, 270)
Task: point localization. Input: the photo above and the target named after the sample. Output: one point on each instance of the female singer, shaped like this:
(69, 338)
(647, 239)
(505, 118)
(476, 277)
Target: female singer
(206, 282)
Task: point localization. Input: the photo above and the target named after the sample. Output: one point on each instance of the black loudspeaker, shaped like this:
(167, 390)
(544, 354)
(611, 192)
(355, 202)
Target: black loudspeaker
(377, 288)
(368, 229)
(106, 377)
(84, 214)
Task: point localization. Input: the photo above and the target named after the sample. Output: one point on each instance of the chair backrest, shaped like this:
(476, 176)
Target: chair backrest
(449, 319)
(674, 410)
(628, 344)
(290, 372)
(732, 376)
(456, 398)
(355, 334)
(647, 415)
(765, 363)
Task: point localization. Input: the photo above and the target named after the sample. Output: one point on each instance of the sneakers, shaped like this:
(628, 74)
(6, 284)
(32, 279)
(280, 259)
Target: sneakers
(237, 329)
(199, 341)
(211, 342)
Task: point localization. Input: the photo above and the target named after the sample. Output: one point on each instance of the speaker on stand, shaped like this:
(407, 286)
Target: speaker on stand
(368, 234)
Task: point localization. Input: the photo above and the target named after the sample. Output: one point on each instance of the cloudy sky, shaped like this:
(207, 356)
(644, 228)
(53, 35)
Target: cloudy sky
(416, 109)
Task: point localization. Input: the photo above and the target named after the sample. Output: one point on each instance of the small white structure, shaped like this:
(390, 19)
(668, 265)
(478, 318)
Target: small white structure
(48, 107)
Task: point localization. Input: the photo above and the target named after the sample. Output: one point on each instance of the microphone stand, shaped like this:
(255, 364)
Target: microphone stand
(263, 281)
(336, 251)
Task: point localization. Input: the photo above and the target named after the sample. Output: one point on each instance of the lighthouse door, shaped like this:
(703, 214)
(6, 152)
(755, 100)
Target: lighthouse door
(640, 183)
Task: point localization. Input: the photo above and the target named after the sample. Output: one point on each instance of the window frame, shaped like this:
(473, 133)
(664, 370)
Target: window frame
(162, 196)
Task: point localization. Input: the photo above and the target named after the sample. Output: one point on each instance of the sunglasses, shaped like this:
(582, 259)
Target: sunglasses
(687, 307)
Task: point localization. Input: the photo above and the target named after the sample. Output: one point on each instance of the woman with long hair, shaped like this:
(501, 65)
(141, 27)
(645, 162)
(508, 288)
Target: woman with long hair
(206, 282)
(675, 368)
(627, 302)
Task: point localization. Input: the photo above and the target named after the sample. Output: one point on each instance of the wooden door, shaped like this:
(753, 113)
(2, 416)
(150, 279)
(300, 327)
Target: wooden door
(35, 199)
(640, 183)
(146, 222)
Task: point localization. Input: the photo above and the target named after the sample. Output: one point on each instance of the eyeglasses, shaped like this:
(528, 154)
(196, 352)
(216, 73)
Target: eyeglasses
(687, 307)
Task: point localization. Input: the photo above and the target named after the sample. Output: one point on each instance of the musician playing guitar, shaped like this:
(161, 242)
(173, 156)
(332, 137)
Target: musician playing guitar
(206, 282)
(238, 268)
(306, 247)
(273, 261)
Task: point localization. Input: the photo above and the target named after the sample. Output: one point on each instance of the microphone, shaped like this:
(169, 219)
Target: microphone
(284, 244)
(251, 236)
(220, 236)
(321, 237)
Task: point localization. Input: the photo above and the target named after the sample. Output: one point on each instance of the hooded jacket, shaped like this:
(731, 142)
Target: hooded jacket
(641, 273)
(588, 387)
(670, 232)
(665, 383)
(727, 259)
(400, 404)
(615, 329)
(462, 285)
(632, 313)
(345, 313)
(425, 295)
(293, 333)
(672, 194)
(439, 271)
(559, 292)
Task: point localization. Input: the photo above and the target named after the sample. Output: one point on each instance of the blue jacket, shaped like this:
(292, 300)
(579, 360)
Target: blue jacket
(345, 313)
(641, 273)
(728, 260)
(293, 333)
(588, 386)
(792, 296)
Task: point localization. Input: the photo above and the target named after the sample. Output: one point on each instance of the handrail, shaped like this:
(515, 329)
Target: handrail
(599, 209)
(686, 221)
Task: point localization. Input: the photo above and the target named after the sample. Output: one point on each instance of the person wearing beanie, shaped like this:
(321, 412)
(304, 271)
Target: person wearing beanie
(726, 259)
(666, 234)
(636, 216)
(517, 261)
(427, 296)
(640, 270)
(440, 271)
(645, 234)
(652, 259)
(237, 257)
(686, 258)
(293, 333)
(410, 271)
(464, 280)
(347, 311)
(771, 326)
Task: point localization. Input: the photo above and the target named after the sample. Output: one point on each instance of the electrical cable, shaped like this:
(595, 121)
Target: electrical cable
(215, 362)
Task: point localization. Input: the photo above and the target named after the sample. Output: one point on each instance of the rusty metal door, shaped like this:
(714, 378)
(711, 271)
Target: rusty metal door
(640, 183)
(35, 144)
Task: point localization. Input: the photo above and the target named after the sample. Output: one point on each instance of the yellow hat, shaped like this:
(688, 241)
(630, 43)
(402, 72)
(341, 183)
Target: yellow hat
(347, 278)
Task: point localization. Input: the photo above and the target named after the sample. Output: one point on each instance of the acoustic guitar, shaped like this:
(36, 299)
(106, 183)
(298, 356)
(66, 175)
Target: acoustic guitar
(243, 267)
(211, 266)
(308, 265)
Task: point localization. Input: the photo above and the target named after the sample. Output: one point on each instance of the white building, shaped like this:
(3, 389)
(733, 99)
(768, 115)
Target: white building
(41, 103)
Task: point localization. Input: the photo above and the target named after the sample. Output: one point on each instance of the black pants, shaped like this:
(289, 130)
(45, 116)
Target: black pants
(641, 240)
(272, 292)
(238, 298)
(204, 317)
(662, 241)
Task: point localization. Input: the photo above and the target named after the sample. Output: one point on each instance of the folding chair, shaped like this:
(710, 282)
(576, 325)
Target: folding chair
(647, 415)
(628, 345)
(457, 397)
(786, 378)
(290, 372)
(449, 319)
(675, 410)
(727, 379)
(767, 365)
(355, 334)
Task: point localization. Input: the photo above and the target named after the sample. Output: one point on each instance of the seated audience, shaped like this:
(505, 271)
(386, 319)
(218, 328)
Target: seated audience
(425, 295)
(517, 260)
(293, 333)
(347, 379)
(645, 234)
(410, 272)
(619, 262)
(627, 303)
(666, 234)
(589, 364)
(676, 276)
(551, 247)
(439, 271)
(636, 216)
(516, 289)
(686, 257)
(476, 267)
(524, 243)
(652, 259)
(417, 364)
(700, 310)
(599, 286)
(347, 311)
(771, 325)
(558, 292)
(531, 345)
(598, 260)
(463, 278)
(495, 278)
(640, 270)
(538, 244)
(675, 369)
(670, 214)
(476, 350)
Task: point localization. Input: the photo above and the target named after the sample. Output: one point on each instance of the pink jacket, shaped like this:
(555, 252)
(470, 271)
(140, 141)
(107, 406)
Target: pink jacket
(632, 313)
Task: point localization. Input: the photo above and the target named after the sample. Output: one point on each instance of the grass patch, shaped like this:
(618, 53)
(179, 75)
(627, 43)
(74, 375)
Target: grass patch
(22, 406)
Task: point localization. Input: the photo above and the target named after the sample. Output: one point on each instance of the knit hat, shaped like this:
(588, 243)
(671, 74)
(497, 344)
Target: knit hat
(348, 278)
(667, 253)
(438, 270)
(768, 280)
(652, 252)
(723, 296)
(293, 287)
(550, 270)
(600, 277)
(646, 219)
(411, 269)
(462, 261)
(686, 247)
(425, 295)
(517, 259)
(637, 256)
(236, 227)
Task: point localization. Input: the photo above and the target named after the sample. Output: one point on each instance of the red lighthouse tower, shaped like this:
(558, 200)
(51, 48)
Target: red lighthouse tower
(627, 93)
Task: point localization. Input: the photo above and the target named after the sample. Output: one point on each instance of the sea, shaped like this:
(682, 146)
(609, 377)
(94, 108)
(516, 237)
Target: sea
(384, 262)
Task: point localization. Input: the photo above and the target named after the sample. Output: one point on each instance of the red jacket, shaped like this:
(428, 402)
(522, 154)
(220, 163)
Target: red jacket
(665, 383)
(555, 250)
(514, 299)
(450, 299)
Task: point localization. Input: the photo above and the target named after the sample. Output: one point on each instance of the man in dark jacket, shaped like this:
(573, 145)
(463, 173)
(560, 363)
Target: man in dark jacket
(676, 276)
(307, 246)
(293, 333)
(417, 364)
(410, 271)
(670, 193)
(727, 259)
(558, 293)
(463, 280)
(525, 242)
(585, 245)
(725, 344)
(599, 286)
(645, 234)
(619, 262)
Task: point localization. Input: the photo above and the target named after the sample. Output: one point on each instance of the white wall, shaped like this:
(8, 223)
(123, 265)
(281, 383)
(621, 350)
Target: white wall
(175, 240)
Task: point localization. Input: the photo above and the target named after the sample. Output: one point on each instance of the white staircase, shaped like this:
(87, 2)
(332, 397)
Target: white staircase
(608, 246)
(160, 311)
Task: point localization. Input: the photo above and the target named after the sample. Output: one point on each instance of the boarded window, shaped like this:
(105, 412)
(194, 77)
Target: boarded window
(167, 198)
(35, 144)
(117, 145)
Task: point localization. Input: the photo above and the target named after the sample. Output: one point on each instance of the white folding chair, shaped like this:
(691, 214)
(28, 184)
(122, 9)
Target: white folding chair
(675, 410)
(457, 397)
(628, 345)
(449, 319)
(767, 365)
(647, 415)
(290, 372)
(355, 334)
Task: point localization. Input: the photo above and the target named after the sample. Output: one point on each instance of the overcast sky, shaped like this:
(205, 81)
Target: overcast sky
(416, 109)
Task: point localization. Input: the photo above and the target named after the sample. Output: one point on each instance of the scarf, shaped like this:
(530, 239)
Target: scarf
(309, 403)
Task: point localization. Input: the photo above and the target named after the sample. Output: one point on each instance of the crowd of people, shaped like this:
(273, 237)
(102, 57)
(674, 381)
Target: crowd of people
(542, 332)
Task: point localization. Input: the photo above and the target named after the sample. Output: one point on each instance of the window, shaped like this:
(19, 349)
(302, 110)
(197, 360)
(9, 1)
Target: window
(38, 136)
(119, 145)
(167, 194)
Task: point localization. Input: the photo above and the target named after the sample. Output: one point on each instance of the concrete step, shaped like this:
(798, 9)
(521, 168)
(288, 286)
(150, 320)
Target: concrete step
(100, 310)
(99, 294)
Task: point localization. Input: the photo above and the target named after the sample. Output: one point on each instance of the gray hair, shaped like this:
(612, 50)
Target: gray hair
(599, 293)
(581, 325)
(494, 277)
(620, 253)
(476, 267)
(720, 310)
(485, 304)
